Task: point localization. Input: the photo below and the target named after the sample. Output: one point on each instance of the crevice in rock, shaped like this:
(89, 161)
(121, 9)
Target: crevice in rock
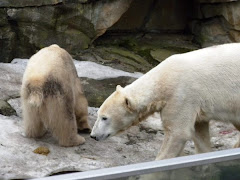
(61, 172)
(6, 109)
(147, 17)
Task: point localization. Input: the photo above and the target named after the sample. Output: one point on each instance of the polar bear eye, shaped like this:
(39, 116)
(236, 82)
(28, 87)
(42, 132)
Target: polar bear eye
(104, 118)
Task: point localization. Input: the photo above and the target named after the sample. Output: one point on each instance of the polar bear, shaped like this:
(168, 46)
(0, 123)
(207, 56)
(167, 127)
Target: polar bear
(188, 90)
(52, 97)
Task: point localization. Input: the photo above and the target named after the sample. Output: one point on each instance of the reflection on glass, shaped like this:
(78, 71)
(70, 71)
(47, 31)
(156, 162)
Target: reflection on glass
(229, 170)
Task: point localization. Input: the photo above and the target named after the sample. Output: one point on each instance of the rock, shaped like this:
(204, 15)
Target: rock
(11, 79)
(16, 150)
(133, 146)
(217, 23)
(117, 57)
(108, 14)
(35, 30)
(16, 105)
(97, 91)
(162, 54)
(28, 3)
(211, 32)
(7, 39)
(223, 134)
(134, 18)
(155, 16)
(96, 71)
(137, 144)
(6, 109)
(3, 20)
(76, 24)
(216, 1)
(161, 20)
(235, 35)
(101, 81)
(135, 52)
(230, 11)
(73, 26)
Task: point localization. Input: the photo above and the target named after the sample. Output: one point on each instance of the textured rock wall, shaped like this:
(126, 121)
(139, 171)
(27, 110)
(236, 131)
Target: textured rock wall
(26, 26)
(217, 22)
(155, 16)
(210, 21)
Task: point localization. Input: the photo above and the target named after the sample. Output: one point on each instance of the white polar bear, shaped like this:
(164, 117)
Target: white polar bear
(52, 97)
(188, 90)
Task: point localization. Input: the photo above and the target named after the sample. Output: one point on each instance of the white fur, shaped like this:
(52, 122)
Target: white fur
(188, 90)
(52, 97)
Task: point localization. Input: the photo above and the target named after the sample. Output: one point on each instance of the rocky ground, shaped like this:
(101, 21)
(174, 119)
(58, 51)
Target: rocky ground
(138, 144)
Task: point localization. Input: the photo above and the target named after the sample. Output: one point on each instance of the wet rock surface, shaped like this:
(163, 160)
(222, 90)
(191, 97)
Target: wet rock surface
(137, 51)
(138, 144)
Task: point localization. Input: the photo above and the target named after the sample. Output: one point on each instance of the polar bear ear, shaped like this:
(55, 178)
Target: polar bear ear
(129, 105)
(119, 88)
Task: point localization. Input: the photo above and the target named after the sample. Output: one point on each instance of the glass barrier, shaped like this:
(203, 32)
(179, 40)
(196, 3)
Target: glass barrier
(229, 170)
(218, 165)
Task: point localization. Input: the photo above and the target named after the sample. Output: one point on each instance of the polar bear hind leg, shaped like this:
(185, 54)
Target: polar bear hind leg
(62, 121)
(237, 145)
(202, 137)
(33, 124)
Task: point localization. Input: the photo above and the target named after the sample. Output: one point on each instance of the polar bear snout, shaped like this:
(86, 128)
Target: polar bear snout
(99, 138)
(94, 137)
(102, 128)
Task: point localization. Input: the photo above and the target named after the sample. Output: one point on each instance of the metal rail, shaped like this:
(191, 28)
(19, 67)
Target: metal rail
(151, 167)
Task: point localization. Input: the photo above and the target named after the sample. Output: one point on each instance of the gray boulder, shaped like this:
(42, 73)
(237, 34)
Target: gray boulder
(98, 81)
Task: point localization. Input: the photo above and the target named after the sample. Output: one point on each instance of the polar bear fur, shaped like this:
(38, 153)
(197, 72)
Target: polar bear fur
(188, 90)
(52, 97)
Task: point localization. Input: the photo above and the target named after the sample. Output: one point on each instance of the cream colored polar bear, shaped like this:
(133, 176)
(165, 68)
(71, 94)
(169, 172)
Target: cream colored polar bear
(52, 97)
(188, 90)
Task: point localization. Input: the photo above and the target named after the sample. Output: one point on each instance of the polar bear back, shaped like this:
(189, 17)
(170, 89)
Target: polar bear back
(52, 60)
(216, 68)
(208, 79)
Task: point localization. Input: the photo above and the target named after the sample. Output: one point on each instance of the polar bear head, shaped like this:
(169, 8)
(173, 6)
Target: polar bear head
(115, 115)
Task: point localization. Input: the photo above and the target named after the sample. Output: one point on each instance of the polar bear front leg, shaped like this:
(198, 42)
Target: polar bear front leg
(172, 146)
(178, 123)
(62, 121)
(33, 125)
